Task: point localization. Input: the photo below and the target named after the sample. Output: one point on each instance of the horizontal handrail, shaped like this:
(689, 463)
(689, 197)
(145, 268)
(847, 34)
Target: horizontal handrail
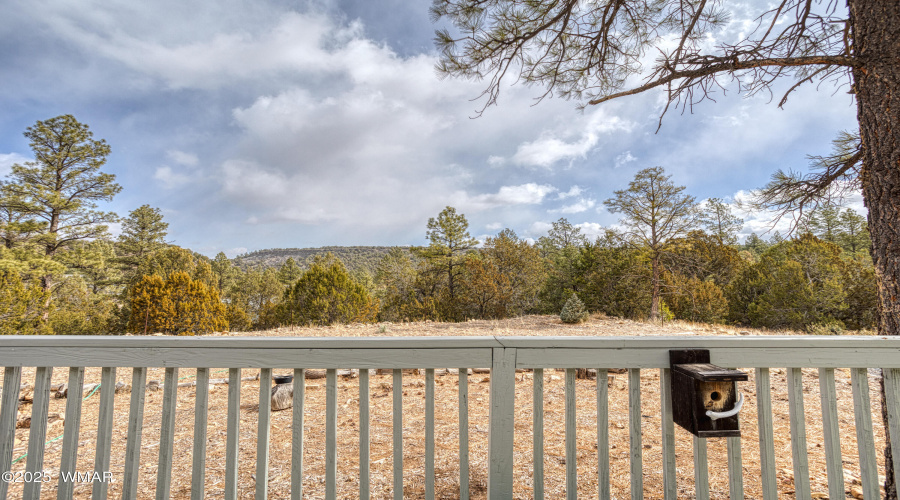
(430, 352)
(503, 355)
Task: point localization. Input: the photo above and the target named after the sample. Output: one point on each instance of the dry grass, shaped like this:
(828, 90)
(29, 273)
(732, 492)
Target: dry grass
(447, 426)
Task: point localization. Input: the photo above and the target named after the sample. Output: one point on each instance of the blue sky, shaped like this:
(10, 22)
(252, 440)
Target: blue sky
(300, 124)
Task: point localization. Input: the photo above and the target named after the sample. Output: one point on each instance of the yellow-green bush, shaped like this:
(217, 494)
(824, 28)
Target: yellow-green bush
(178, 305)
(21, 306)
(326, 294)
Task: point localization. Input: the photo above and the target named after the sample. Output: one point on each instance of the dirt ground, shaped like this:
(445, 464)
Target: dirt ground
(447, 426)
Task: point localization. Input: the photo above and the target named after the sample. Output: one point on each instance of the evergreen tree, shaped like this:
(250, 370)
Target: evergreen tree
(21, 306)
(196, 306)
(151, 307)
(573, 311)
(519, 269)
(613, 278)
(63, 184)
(256, 292)
(795, 284)
(289, 272)
(224, 271)
(17, 226)
(755, 244)
(560, 250)
(80, 310)
(325, 295)
(165, 262)
(654, 211)
(56, 195)
(716, 218)
(450, 245)
(854, 236)
(825, 223)
(562, 235)
(95, 262)
(178, 305)
(143, 232)
(396, 287)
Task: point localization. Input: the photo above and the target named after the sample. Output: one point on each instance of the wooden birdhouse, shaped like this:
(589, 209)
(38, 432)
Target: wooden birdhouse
(705, 399)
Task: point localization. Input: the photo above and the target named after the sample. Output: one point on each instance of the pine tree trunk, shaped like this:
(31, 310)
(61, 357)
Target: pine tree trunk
(654, 283)
(875, 28)
(47, 285)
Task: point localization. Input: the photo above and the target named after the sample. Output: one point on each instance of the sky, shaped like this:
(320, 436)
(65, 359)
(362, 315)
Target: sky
(281, 124)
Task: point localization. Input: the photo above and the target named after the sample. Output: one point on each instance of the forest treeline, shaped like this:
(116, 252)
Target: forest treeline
(669, 257)
(355, 258)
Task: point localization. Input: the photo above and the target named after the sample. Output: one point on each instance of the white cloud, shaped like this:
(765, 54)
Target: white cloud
(249, 182)
(550, 148)
(211, 60)
(494, 226)
(7, 161)
(538, 229)
(496, 161)
(182, 158)
(591, 230)
(757, 221)
(573, 191)
(525, 194)
(582, 205)
(171, 179)
(624, 159)
(115, 229)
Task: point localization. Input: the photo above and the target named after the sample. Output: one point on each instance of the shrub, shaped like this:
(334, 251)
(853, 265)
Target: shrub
(573, 311)
(827, 327)
(327, 294)
(21, 306)
(238, 319)
(78, 311)
(794, 284)
(695, 300)
(665, 314)
(179, 305)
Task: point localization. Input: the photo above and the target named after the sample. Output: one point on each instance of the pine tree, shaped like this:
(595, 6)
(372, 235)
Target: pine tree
(326, 294)
(289, 272)
(717, 219)
(573, 311)
(143, 232)
(854, 236)
(655, 211)
(450, 245)
(21, 306)
(62, 185)
(395, 279)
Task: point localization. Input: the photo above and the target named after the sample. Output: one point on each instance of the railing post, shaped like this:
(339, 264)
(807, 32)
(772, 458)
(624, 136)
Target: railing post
(502, 411)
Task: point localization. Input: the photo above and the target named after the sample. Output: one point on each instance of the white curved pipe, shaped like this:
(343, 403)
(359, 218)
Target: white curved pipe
(715, 415)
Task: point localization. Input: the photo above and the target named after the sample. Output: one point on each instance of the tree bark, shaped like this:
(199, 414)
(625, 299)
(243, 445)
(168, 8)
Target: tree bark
(875, 26)
(654, 284)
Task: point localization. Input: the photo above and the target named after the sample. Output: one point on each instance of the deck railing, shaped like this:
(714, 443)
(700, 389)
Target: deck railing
(503, 355)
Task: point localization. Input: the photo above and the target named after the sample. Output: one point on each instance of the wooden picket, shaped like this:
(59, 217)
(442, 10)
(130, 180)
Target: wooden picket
(503, 355)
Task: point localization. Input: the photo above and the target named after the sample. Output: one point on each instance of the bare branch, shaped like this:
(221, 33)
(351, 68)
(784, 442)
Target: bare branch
(731, 66)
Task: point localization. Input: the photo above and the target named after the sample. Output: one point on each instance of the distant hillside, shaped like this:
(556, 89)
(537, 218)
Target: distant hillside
(353, 257)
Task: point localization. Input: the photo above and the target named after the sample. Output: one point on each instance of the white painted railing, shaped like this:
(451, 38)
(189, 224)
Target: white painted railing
(503, 355)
